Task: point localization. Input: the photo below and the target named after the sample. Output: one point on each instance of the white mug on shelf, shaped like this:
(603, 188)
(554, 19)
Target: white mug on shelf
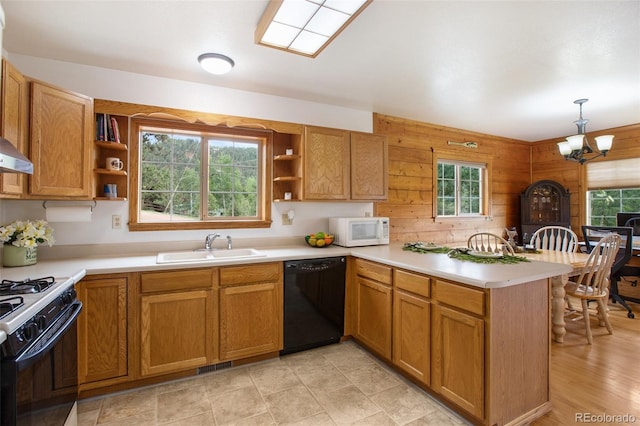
(114, 163)
(287, 195)
(289, 151)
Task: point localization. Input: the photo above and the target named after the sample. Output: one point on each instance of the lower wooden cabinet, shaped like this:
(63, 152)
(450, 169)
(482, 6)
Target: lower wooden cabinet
(103, 346)
(178, 320)
(412, 325)
(374, 306)
(251, 311)
(457, 352)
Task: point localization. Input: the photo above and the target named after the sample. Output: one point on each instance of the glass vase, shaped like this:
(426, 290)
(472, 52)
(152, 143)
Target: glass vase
(19, 256)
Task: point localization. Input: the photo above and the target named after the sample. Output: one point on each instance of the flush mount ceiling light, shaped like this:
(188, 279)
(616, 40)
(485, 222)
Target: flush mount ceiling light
(576, 147)
(305, 27)
(216, 63)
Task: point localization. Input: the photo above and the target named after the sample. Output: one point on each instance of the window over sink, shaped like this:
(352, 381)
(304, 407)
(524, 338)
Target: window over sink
(197, 176)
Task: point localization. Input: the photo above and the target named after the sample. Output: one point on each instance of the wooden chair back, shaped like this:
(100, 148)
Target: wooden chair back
(486, 241)
(556, 238)
(593, 281)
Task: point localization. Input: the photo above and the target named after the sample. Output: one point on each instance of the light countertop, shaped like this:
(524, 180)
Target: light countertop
(437, 265)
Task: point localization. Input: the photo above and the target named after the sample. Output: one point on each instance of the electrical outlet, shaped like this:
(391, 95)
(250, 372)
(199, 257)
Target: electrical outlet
(286, 220)
(116, 221)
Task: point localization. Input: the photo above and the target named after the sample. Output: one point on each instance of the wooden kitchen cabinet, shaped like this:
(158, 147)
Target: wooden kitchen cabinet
(343, 165)
(60, 143)
(14, 125)
(369, 167)
(374, 306)
(103, 344)
(326, 164)
(457, 360)
(412, 324)
(251, 310)
(178, 320)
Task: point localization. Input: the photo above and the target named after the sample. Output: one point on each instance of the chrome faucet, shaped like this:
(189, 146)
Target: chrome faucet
(209, 240)
(229, 246)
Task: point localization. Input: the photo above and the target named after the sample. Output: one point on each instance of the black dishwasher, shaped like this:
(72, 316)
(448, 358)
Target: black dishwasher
(313, 303)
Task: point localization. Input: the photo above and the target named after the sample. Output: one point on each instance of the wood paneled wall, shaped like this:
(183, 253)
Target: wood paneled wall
(410, 180)
(547, 163)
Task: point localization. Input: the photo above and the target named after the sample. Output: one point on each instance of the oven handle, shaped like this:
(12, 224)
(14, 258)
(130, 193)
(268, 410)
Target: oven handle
(27, 357)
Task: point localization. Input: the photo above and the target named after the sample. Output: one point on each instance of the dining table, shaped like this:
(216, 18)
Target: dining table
(577, 260)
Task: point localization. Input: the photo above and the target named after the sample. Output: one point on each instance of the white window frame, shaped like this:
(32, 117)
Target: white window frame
(462, 159)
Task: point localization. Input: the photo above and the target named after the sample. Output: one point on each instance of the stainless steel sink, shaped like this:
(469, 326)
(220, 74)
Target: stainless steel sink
(207, 255)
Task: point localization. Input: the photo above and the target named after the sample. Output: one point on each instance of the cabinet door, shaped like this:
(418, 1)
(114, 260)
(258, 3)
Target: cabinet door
(369, 167)
(102, 329)
(60, 143)
(251, 320)
(373, 320)
(326, 164)
(412, 334)
(176, 331)
(15, 123)
(457, 363)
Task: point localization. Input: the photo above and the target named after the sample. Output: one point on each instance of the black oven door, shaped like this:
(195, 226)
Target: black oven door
(40, 385)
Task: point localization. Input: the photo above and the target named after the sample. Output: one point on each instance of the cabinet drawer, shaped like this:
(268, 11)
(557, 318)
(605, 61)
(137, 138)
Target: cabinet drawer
(188, 279)
(459, 296)
(373, 271)
(262, 272)
(409, 281)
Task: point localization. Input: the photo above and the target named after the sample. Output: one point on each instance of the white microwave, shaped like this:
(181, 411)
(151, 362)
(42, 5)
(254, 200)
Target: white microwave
(359, 231)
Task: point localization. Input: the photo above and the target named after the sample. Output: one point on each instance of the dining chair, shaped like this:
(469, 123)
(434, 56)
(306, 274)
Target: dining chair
(487, 241)
(592, 234)
(556, 238)
(593, 281)
(634, 223)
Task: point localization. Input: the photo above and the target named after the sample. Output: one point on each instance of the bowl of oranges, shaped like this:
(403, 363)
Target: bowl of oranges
(319, 239)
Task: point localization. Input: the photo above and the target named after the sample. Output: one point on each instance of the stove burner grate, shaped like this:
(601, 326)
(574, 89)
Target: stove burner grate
(9, 305)
(26, 286)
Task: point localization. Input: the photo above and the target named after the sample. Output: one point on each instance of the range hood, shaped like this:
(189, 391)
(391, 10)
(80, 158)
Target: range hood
(12, 160)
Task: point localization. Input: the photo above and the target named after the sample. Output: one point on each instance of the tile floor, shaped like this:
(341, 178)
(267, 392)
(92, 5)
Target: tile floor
(332, 385)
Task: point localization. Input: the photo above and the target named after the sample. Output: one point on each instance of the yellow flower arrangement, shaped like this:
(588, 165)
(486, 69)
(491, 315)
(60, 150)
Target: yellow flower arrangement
(26, 233)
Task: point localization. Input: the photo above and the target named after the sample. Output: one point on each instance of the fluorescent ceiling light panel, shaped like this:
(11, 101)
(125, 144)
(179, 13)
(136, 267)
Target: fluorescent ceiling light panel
(305, 26)
(308, 42)
(327, 21)
(280, 35)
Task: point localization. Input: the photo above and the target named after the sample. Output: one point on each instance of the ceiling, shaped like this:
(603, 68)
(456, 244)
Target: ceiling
(507, 68)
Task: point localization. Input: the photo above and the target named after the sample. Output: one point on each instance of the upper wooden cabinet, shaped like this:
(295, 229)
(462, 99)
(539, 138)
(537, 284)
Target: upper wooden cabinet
(342, 165)
(369, 167)
(15, 124)
(326, 164)
(60, 143)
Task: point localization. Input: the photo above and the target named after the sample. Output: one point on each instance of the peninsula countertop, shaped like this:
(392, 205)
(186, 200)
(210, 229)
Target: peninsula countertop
(436, 265)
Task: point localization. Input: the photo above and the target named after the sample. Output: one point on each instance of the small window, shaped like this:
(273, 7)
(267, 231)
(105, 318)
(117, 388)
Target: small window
(603, 205)
(199, 177)
(461, 188)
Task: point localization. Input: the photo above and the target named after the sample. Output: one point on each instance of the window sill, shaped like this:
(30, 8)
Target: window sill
(182, 226)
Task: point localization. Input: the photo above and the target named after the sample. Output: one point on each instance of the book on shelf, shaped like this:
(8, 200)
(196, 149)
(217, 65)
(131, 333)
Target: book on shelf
(107, 128)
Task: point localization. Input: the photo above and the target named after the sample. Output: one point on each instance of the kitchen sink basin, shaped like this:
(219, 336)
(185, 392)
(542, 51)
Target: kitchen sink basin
(207, 255)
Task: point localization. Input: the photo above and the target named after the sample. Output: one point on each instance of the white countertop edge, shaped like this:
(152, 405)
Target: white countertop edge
(436, 265)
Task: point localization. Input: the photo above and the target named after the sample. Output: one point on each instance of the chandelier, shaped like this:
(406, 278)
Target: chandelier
(577, 148)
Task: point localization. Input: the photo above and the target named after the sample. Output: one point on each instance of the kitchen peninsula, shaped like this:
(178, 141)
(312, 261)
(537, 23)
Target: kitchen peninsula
(486, 351)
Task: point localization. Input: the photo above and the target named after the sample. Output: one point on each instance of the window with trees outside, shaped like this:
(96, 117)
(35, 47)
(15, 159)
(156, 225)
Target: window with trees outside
(198, 176)
(612, 186)
(460, 188)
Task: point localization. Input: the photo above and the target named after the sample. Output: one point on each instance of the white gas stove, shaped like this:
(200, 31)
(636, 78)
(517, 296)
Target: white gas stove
(21, 300)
